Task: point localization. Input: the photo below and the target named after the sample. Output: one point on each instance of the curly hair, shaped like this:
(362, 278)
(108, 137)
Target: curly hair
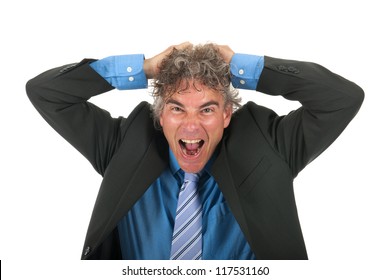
(201, 64)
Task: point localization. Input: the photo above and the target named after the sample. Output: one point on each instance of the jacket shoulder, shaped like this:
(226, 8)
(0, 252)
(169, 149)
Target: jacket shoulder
(260, 116)
(140, 118)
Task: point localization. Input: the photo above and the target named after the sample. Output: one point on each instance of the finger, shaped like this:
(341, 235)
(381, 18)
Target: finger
(183, 45)
(226, 52)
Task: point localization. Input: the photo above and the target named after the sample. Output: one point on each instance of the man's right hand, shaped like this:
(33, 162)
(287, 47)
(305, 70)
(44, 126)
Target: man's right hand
(226, 52)
(151, 65)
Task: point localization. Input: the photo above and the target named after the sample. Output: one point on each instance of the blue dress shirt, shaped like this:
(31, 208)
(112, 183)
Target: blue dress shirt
(146, 231)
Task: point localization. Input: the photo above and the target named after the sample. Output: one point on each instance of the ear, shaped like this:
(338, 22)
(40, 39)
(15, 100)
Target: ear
(227, 115)
(161, 121)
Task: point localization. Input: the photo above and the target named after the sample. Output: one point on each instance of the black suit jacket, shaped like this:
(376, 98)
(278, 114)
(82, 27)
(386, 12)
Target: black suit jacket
(257, 160)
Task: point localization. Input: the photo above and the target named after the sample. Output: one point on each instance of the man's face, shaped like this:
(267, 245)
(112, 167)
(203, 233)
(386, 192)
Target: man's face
(193, 122)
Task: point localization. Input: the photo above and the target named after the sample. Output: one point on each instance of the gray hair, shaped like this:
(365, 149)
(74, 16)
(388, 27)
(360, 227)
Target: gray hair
(201, 64)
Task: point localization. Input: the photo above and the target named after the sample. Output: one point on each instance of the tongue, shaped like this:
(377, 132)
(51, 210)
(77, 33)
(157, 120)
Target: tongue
(192, 146)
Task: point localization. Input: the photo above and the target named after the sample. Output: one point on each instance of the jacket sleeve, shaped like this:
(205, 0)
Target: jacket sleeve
(61, 96)
(329, 102)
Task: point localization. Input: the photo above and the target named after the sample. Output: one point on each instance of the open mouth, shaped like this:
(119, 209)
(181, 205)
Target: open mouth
(191, 147)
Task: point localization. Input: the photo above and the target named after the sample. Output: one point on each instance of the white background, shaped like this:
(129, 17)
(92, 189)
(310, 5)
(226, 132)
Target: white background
(48, 189)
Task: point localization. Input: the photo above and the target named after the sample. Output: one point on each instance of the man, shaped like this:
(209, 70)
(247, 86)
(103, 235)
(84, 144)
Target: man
(244, 161)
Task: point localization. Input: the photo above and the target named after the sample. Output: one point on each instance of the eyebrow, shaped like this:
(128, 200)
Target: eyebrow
(172, 101)
(209, 103)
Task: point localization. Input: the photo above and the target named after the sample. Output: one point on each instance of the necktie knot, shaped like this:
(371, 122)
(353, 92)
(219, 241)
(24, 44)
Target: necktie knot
(192, 177)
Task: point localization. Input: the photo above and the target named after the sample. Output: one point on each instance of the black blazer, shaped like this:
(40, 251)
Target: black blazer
(257, 160)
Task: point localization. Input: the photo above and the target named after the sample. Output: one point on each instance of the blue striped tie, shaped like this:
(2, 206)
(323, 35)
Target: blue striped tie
(187, 233)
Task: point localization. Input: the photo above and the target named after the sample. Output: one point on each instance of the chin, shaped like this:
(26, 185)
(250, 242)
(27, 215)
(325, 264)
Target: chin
(191, 168)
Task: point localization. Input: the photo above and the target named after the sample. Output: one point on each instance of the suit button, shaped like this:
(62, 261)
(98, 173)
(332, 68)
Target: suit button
(282, 68)
(87, 250)
(67, 68)
(293, 70)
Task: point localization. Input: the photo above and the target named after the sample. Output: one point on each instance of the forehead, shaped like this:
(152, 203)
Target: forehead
(190, 93)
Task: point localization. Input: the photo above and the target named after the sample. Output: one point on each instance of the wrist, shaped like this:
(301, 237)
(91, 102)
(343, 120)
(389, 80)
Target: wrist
(123, 71)
(148, 69)
(246, 70)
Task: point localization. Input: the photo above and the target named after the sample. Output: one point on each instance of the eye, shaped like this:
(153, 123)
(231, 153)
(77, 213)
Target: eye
(176, 109)
(207, 110)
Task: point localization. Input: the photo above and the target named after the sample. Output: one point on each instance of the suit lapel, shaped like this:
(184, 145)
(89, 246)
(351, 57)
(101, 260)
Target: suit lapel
(134, 168)
(149, 169)
(223, 176)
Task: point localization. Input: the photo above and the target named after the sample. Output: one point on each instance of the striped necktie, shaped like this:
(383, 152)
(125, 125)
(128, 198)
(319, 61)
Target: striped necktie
(187, 233)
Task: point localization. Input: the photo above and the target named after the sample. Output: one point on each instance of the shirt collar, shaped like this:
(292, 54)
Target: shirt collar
(173, 164)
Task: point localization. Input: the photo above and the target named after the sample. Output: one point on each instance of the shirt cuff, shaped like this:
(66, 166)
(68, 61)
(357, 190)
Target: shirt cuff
(246, 70)
(122, 71)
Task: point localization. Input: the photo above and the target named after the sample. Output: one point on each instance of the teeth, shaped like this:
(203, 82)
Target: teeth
(190, 141)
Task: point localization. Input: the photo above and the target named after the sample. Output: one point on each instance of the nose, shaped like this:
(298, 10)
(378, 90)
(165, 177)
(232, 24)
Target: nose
(191, 122)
